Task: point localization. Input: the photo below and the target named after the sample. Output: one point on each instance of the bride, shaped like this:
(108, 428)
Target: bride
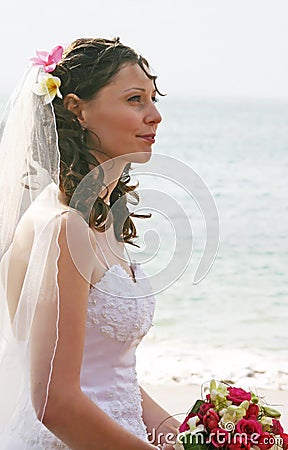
(72, 309)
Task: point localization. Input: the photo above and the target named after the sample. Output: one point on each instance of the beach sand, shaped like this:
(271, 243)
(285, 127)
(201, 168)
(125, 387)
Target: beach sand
(178, 399)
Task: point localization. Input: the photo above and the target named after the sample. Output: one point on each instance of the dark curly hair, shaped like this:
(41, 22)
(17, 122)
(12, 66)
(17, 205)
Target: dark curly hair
(86, 67)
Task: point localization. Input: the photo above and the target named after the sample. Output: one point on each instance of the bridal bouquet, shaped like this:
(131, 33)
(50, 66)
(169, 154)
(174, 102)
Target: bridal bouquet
(231, 419)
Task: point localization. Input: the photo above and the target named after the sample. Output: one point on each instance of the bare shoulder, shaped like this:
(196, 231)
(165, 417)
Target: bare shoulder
(77, 244)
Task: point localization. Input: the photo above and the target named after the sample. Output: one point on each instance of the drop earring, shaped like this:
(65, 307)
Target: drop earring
(83, 136)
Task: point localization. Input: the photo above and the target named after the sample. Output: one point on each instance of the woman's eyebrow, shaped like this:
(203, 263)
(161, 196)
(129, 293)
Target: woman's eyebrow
(135, 88)
(138, 89)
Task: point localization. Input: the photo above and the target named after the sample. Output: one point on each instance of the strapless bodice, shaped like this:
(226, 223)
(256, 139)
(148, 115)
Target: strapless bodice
(119, 315)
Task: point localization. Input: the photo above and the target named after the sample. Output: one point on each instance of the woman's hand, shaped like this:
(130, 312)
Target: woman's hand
(167, 447)
(160, 424)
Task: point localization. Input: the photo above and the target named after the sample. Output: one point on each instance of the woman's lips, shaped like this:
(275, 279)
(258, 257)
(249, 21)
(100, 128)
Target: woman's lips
(147, 137)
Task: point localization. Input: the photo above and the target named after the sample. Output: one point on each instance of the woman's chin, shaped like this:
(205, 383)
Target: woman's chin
(139, 157)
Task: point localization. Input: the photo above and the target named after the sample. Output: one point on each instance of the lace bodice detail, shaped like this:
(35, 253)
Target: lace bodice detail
(120, 309)
(119, 314)
(125, 406)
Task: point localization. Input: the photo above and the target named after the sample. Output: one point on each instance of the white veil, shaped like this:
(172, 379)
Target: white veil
(29, 227)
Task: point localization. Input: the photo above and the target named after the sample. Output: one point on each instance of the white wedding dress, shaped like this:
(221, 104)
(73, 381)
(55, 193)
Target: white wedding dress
(119, 314)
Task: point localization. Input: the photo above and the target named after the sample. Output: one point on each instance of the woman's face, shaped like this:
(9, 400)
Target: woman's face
(124, 117)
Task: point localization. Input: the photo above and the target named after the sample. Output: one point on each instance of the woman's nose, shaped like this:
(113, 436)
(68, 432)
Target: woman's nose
(153, 116)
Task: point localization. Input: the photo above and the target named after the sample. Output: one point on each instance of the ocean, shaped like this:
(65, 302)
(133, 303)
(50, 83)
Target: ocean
(232, 325)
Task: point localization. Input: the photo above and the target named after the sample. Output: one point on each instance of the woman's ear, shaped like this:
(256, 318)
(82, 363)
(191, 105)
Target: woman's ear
(74, 104)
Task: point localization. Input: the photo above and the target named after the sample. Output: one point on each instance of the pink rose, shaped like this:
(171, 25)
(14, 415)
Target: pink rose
(265, 441)
(238, 395)
(238, 443)
(184, 426)
(276, 427)
(219, 437)
(284, 437)
(203, 410)
(252, 411)
(211, 420)
(249, 427)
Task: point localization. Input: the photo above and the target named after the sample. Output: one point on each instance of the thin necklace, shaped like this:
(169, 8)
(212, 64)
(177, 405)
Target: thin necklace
(131, 265)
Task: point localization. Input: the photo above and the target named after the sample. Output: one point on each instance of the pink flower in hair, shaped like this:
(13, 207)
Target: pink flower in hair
(48, 60)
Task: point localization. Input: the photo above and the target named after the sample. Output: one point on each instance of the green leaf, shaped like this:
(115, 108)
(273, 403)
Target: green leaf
(254, 398)
(212, 385)
(271, 412)
(196, 406)
(194, 442)
(189, 446)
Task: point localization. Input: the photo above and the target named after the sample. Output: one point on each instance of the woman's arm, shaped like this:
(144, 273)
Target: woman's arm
(160, 425)
(69, 413)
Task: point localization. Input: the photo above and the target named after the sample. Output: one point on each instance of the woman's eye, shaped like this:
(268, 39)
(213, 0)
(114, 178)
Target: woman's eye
(135, 98)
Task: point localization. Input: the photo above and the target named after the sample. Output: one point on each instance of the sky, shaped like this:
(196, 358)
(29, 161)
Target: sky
(210, 48)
